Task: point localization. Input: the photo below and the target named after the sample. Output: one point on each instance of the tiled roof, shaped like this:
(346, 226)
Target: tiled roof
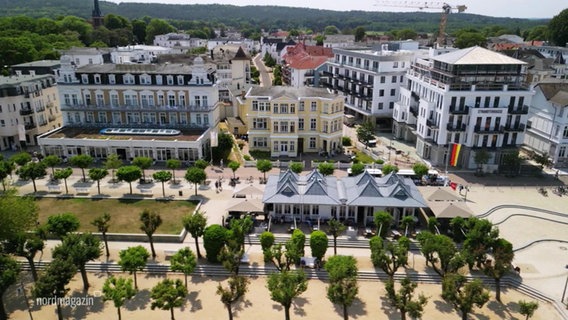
(307, 63)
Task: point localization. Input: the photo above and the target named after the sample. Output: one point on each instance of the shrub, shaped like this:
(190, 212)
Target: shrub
(379, 161)
(214, 238)
(247, 157)
(318, 244)
(346, 141)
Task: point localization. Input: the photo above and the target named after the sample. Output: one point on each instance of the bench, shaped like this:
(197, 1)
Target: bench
(169, 253)
(82, 190)
(53, 188)
(147, 192)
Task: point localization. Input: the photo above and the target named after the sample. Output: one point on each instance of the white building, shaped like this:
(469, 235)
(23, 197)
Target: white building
(547, 128)
(84, 56)
(474, 97)
(369, 80)
(171, 40)
(160, 111)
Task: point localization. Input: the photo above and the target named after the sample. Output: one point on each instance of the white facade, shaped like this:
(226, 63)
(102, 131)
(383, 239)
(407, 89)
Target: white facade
(473, 97)
(84, 56)
(171, 40)
(547, 128)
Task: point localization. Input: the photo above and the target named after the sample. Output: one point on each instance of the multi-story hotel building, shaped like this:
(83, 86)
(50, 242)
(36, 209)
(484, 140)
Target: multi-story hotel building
(370, 80)
(135, 101)
(475, 97)
(29, 106)
(290, 121)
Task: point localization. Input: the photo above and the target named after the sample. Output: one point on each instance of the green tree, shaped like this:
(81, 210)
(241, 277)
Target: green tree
(457, 227)
(62, 224)
(133, 260)
(330, 30)
(285, 286)
(214, 238)
(97, 174)
(173, 164)
(527, 308)
(502, 252)
(266, 242)
(365, 133)
(298, 239)
(542, 159)
(51, 161)
(234, 165)
(195, 175)
(480, 237)
(231, 254)
(406, 34)
(129, 174)
(195, 224)
(163, 176)
(343, 288)
(156, 27)
(319, 40)
(464, 295)
(283, 255)
(238, 287)
(118, 290)
(167, 295)
(21, 158)
(33, 171)
(403, 299)
(139, 30)
(512, 162)
(480, 158)
(53, 282)
(346, 141)
(388, 168)
(389, 256)
(360, 34)
(335, 229)
(143, 163)
(183, 261)
(150, 222)
(296, 167)
(240, 228)
(357, 169)
(63, 174)
(264, 166)
(470, 39)
(441, 252)
(9, 276)
(112, 163)
(326, 168)
(318, 244)
(407, 223)
(383, 221)
(25, 245)
(18, 214)
(6, 169)
(102, 223)
(201, 164)
(433, 225)
(224, 148)
(82, 161)
(558, 28)
(80, 248)
(420, 169)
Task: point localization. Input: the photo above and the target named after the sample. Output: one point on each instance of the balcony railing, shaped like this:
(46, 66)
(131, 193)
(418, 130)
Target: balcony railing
(459, 110)
(432, 124)
(518, 110)
(29, 126)
(456, 127)
(515, 128)
(26, 111)
(414, 111)
(480, 129)
(84, 107)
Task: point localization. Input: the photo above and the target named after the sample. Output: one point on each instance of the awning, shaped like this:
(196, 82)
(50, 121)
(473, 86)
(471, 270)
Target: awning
(247, 191)
(440, 194)
(450, 210)
(247, 205)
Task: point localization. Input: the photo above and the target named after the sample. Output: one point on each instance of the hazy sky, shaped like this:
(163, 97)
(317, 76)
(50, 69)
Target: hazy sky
(496, 8)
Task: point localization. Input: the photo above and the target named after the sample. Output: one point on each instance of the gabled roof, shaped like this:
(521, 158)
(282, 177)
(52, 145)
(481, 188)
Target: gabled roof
(307, 63)
(555, 91)
(241, 55)
(475, 55)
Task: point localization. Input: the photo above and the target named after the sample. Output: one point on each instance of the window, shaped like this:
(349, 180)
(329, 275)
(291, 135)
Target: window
(114, 100)
(395, 64)
(301, 124)
(391, 105)
(312, 143)
(145, 79)
(562, 152)
(393, 79)
(255, 106)
(128, 79)
(259, 123)
(313, 124)
(383, 79)
(275, 108)
(380, 106)
(381, 93)
(301, 106)
(159, 80)
(170, 80)
(180, 80)
(100, 99)
(97, 78)
(171, 100)
(496, 102)
(314, 106)
(275, 126)
(292, 108)
(198, 119)
(284, 108)
(85, 79)
(2, 123)
(161, 100)
(67, 99)
(275, 146)
(292, 146)
(284, 126)
(565, 133)
(393, 92)
(261, 142)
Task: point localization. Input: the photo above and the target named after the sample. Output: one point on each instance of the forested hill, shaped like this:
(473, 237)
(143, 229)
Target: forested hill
(266, 17)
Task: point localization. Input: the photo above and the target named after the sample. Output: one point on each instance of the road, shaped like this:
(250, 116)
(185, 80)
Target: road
(265, 80)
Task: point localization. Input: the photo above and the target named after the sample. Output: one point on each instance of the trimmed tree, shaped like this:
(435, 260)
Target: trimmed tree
(21, 158)
(82, 161)
(365, 133)
(296, 167)
(335, 229)
(195, 175)
(173, 164)
(32, 171)
(214, 238)
(318, 244)
(167, 295)
(234, 165)
(263, 166)
(357, 169)
(388, 168)
(163, 176)
(118, 290)
(183, 261)
(6, 169)
(383, 221)
(407, 223)
(403, 299)
(195, 224)
(343, 288)
(285, 286)
(112, 163)
(63, 174)
(62, 224)
(53, 282)
(143, 163)
(80, 248)
(441, 252)
(283, 255)
(102, 223)
(238, 287)
(25, 245)
(133, 260)
(326, 168)
(464, 295)
(129, 174)
(97, 174)
(8, 277)
(201, 164)
(420, 169)
(389, 256)
(151, 221)
(527, 308)
(51, 161)
(503, 255)
(266, 242)
(298, 239)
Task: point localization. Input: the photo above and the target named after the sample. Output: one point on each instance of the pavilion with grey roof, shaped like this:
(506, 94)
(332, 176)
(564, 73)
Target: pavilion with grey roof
(354, 199)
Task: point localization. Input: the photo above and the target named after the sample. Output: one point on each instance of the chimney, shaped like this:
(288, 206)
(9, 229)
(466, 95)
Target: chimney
(243, 93)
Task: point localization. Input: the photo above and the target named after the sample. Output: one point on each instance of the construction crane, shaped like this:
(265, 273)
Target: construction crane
(445, 7)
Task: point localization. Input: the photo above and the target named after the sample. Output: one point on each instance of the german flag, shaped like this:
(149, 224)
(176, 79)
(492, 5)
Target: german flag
(455, 154)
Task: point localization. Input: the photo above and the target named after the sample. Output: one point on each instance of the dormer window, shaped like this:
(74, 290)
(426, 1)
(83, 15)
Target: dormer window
(128, 79)
(111, 79)
(159, 79)
(97, 78)
(180, 80)
(85, 79)
(170, 80)
(145, 79)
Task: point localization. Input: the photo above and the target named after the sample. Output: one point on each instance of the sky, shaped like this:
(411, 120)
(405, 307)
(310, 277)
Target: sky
(496, 8)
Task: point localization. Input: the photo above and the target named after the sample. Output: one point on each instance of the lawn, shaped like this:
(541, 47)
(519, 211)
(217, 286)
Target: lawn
(363, 157)
(124, 212)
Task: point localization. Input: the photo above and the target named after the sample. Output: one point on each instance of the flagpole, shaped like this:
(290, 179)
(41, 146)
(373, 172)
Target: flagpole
(448, 157)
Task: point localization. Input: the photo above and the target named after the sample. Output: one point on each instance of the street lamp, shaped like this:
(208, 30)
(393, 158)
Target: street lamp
(391, 147)
(565, 285)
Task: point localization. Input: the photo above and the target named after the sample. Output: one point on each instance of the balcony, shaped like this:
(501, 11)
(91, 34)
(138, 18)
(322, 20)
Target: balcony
(414, 111)
(459, 110)
(26, 111)
(518, 110)
(431, 124)
(456, 127)
(480, 129)
(51, 118)
(515, 128)
(147, 108)
(29, 126)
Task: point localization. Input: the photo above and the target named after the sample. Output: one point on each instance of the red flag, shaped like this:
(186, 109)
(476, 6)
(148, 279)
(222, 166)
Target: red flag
(453, 185)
